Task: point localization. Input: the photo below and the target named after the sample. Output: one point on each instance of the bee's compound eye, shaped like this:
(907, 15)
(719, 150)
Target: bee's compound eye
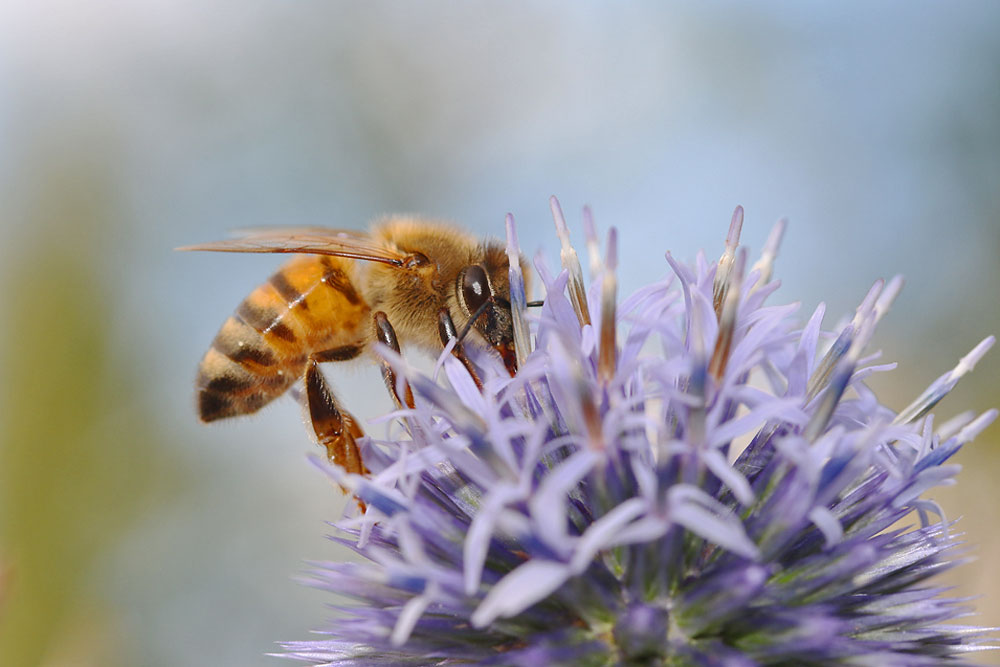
(475, 288)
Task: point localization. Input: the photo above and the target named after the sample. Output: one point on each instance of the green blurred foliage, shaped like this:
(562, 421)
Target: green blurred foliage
(80, 455)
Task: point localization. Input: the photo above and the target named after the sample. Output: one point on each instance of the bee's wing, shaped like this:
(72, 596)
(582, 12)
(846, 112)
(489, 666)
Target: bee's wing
(306, 240)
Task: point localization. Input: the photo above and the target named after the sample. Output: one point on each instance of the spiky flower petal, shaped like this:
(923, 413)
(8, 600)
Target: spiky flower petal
(691, 477)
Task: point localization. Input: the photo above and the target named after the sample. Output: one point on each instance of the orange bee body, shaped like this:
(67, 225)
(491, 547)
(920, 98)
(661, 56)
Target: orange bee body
(308, 306)
(409, 281)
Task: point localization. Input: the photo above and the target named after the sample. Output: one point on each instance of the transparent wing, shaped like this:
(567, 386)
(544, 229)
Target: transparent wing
(306, 240)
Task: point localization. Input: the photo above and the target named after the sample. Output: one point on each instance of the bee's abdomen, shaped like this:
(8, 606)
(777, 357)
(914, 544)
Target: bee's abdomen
(242, 372)
(309, 306)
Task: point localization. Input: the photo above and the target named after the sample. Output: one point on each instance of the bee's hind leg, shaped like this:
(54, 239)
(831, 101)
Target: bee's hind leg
(336, 429)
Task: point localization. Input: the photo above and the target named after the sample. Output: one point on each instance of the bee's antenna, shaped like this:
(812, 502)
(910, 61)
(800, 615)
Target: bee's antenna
(472, 320)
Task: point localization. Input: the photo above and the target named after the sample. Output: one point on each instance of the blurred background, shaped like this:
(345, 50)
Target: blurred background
(130, 534)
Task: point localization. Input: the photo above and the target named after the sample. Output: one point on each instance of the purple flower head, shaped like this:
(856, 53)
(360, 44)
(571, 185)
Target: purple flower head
(688, 477)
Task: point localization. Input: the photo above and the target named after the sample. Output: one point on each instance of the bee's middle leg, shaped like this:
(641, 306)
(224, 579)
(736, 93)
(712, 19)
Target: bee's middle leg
(385, 334)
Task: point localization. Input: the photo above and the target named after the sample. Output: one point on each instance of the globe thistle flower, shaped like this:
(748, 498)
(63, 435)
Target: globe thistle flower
(688, 477)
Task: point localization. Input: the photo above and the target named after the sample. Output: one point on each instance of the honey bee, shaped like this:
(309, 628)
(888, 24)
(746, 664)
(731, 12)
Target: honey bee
(409, 281)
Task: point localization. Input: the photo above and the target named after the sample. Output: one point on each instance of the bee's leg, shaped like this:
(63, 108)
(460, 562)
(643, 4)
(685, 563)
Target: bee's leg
(342, 353)
(385, 334)
(447, 331)
(335, 428)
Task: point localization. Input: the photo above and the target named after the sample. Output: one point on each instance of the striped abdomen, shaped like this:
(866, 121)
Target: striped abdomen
(309, 307)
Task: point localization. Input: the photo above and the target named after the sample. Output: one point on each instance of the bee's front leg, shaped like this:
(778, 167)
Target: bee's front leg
(447, 332)
(336, 429)
(385, 334)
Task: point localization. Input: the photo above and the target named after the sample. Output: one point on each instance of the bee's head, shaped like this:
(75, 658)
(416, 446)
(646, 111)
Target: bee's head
(483, 293)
